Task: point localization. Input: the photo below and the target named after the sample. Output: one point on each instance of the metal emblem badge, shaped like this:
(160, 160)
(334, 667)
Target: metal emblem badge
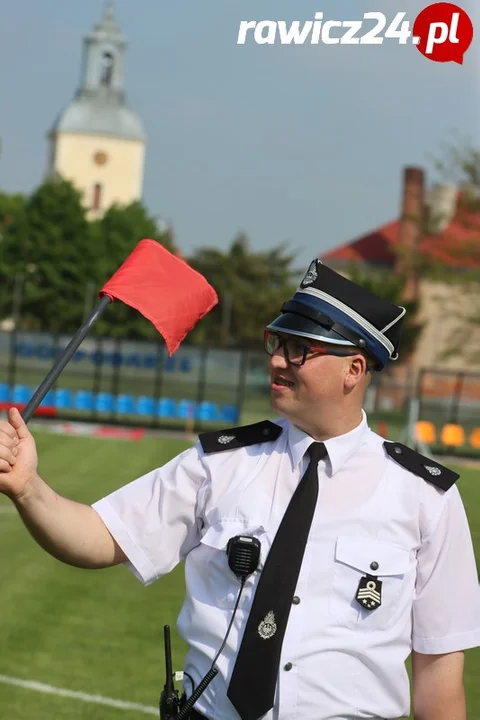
(268, 626)
(369, 592)
(433, 470)
(311, 274)
(224, 439)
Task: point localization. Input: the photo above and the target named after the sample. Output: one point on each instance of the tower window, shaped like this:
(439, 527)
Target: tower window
(97, 196)
(106, 69)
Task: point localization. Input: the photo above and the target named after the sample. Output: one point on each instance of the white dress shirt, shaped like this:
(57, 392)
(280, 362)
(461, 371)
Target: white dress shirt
(339, 661)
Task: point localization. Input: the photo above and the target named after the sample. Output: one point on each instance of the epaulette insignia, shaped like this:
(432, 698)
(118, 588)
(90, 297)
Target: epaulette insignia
(420, 465)
(238, 437)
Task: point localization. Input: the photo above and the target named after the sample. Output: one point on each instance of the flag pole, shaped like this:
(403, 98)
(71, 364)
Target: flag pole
(64, 358)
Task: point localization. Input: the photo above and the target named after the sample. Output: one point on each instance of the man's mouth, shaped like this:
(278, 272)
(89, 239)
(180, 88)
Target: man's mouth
(282, 381)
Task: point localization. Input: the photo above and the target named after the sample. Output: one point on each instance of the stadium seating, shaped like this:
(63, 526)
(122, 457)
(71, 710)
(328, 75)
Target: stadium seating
(4, 392)
(453, 435)
(425, 431)
(124, 404)
(21, 394)
(63, 399)
(48, 399)
(84, 400)
(145, 406)
(229, 414)
(166, 408)
(104, 402)
(475, 438)
(206, 411)
(186, 409)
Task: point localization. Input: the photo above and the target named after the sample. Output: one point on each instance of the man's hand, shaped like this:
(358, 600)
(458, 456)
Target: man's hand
(70, 531)
(18, 456)
(438, 691)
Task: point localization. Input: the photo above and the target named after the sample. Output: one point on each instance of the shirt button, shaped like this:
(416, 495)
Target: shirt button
(288, 666)
(374, 565)
(296, 600)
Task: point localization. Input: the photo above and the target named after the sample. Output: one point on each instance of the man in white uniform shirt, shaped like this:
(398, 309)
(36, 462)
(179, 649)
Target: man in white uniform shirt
(365, 550)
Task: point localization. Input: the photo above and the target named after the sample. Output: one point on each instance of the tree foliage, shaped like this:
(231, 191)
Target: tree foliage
(251, 285)
(62, 260)
(392, 288)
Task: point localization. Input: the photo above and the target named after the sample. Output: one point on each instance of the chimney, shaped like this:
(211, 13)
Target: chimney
(441, 201)
(410, 231)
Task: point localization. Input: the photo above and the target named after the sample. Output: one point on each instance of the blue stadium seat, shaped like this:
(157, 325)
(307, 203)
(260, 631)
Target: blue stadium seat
(21, 394)
(206, 411)
(63, 399)
(84, 400)
(186, 409)
(229, 413)
(49, 399)
(166, 408)
(125, 404)
(145, 405)
(104, 402)
(4, 392)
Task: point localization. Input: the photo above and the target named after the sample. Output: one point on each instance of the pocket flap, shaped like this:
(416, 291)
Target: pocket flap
(218, 534)
(375, 557)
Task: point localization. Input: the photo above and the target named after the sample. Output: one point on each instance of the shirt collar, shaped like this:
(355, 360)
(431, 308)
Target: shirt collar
(339, 448)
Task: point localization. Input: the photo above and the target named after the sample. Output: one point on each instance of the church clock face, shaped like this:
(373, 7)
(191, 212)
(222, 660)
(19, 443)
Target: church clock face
(100, 158)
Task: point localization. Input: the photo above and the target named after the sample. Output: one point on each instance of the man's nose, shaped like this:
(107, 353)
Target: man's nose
(277, 360)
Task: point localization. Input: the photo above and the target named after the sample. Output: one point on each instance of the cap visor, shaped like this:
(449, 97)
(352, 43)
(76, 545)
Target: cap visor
(298, 325)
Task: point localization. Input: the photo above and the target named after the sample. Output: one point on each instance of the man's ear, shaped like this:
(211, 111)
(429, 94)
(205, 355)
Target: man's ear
(356, 369)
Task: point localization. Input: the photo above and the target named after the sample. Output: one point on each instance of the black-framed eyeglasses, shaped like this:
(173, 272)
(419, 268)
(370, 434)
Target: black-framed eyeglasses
(296, 352)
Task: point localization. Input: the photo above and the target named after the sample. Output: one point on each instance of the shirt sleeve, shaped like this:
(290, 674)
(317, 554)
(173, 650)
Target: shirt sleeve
(446, 607)
(154, 519)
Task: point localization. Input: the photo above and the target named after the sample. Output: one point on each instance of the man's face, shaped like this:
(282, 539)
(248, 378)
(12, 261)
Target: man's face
(304, 393)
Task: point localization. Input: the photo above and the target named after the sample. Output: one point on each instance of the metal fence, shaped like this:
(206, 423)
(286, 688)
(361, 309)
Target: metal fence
(135, 382)
(129, 381)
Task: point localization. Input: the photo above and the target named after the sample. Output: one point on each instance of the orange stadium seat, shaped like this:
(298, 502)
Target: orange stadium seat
(425, 431)
(475, 437)
(453, 435)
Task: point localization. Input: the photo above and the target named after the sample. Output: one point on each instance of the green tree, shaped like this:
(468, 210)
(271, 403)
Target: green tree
(58, 257)
(13, 246)
(392, 288)
(251, 285)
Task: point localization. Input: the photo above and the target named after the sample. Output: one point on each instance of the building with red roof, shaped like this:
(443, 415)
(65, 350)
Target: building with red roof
(438, 229)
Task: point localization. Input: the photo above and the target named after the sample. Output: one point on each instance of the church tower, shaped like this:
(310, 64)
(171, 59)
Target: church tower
(97, 142)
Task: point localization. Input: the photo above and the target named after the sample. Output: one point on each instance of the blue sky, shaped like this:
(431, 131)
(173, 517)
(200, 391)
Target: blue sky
(303, 144)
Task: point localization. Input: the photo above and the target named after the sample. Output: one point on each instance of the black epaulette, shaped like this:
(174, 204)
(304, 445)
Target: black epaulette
(426, 468)
(238, 437)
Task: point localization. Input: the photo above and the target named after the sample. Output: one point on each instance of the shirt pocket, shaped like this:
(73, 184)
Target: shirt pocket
(223, 584)
(354, 559)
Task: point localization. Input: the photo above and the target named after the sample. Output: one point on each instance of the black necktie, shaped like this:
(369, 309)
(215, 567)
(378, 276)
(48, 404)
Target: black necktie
(252, 686)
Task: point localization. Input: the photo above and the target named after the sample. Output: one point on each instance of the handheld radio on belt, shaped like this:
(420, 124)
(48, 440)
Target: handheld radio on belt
(243, 554)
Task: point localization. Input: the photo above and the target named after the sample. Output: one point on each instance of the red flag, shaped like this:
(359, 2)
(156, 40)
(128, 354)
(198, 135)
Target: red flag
(164, 288)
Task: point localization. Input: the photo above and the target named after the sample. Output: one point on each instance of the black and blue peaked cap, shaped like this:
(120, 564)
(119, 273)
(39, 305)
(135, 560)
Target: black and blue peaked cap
(327, 306)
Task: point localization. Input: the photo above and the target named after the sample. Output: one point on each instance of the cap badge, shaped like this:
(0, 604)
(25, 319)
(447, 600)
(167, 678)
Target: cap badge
(311, 274)
(433, 470)
(225, 439)
(268, 626)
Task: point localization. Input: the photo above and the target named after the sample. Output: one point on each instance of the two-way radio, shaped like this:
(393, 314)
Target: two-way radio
(243, 554)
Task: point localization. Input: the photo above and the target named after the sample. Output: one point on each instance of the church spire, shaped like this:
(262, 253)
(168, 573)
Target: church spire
(104, 50)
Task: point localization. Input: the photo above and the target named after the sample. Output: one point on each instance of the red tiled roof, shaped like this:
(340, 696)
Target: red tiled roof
(457, 246)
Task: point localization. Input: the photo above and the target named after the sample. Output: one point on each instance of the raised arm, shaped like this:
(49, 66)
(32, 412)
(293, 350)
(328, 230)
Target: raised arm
(70, 531)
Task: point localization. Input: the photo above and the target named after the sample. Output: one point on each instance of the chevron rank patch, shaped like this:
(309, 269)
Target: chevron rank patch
(424, 467)
(369, 592)
(238, 437)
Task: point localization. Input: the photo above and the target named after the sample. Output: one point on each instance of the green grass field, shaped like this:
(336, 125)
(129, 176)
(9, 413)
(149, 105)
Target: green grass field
(101, 632)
